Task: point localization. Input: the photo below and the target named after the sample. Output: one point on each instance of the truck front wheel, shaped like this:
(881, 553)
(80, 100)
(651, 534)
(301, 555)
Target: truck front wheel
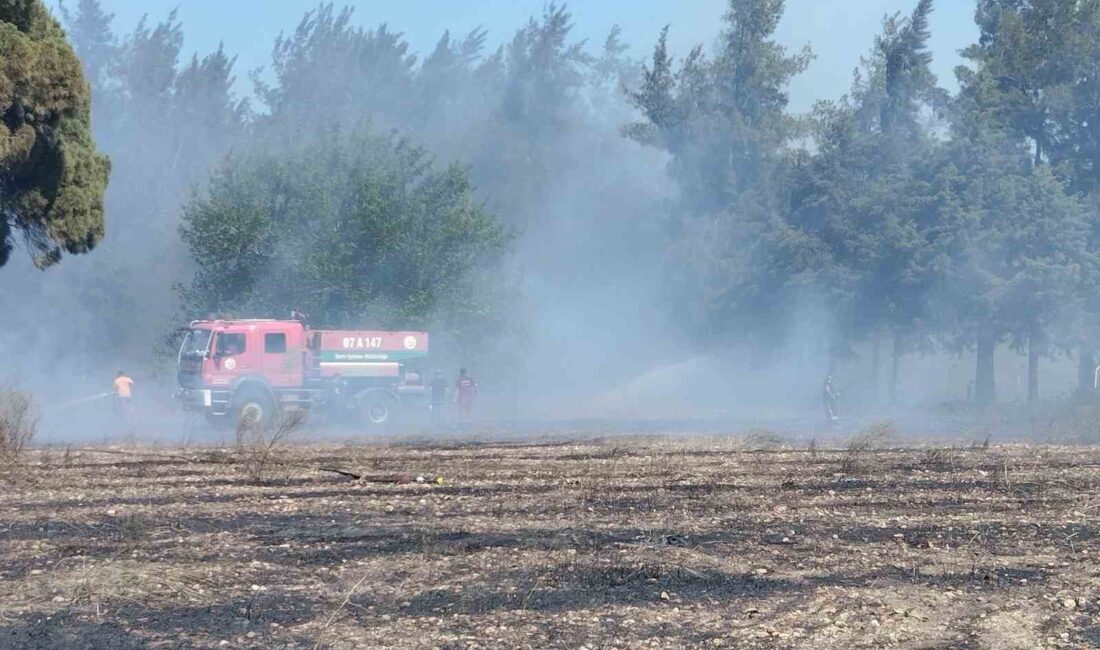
(253, 404)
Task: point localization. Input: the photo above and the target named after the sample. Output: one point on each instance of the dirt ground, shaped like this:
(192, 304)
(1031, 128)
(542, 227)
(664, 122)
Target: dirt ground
(617, 543)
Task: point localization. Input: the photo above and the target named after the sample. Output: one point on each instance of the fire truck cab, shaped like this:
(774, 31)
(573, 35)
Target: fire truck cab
(227, 368)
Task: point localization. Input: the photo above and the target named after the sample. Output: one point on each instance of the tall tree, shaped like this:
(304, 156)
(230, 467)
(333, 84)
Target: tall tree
(723, 121)
(89, 27)
(1076, 152)
(1025, 67)
(544, 71)
(1025, 251)
(614, 70)
(908, 82)
(356, 74)
(446, 74)
(352, 230)
(866, 196)
(206, 116)
(1077, 119)
(52, 179)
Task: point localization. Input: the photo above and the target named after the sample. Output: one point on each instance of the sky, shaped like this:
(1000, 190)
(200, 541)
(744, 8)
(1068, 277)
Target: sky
(839, 31)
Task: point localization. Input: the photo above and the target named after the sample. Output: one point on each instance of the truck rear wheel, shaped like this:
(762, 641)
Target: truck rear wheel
(379, 411)
(255, 405)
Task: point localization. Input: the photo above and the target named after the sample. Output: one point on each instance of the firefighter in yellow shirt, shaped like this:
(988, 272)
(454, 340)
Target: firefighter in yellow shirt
(123, 392)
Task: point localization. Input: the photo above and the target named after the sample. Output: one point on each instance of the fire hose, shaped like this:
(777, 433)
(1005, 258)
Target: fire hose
(83, 400)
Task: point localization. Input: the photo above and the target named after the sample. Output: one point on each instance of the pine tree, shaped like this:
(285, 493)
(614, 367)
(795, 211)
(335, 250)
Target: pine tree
(330, 72)
(206, 116)
(1025, 67)
(52, 179)
(1023, 251)
(545, 73)
(907, 75)
(723, 121)
(446, 76)
(94, 42)
(614, 70)
(892, 240)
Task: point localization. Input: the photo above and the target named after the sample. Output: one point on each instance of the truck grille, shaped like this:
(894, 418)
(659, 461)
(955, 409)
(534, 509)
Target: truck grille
(189, 373)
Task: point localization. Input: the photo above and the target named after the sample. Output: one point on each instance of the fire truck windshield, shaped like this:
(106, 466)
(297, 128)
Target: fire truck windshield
(196, 342)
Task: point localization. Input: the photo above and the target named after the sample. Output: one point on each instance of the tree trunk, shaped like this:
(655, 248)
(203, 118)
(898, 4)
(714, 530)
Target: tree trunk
(985, 389)
(895, 367)
(1034, 346)
(874, 369)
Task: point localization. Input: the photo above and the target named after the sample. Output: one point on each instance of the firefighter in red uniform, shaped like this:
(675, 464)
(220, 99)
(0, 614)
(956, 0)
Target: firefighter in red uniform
(465, 393)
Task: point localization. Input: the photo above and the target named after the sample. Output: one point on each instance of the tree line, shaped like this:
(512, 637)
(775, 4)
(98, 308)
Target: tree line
(936, 220)
(445, 180)
(363, 179)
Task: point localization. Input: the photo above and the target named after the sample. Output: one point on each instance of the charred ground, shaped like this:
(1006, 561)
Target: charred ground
(598, 544)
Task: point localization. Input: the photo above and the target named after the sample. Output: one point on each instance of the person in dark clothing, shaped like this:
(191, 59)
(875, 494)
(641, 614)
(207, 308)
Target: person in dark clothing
(439, 394)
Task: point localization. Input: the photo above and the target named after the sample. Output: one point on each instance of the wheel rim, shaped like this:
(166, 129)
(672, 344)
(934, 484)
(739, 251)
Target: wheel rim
(253, 412)
(378, 413)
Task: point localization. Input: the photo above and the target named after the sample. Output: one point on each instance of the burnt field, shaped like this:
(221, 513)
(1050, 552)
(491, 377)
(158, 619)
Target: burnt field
(601, 544)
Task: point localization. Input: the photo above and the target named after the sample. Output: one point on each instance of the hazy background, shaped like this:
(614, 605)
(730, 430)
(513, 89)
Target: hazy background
(598, 339)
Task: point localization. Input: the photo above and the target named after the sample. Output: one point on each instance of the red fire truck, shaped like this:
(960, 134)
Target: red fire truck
(228, 368)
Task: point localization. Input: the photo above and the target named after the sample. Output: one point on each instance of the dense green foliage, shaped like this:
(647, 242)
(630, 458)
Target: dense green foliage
(52, 179)
(350, 230)
(534, 124)
(723, 120)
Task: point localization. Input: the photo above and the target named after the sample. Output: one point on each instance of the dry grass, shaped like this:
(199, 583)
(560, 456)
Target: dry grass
(258, 446)
(940, 459)
(612, 544)
(18, 426)
(862, 444)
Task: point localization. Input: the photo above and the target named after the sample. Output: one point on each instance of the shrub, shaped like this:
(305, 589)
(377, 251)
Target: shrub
(258, 444)
(868, 440)
(18, 424)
